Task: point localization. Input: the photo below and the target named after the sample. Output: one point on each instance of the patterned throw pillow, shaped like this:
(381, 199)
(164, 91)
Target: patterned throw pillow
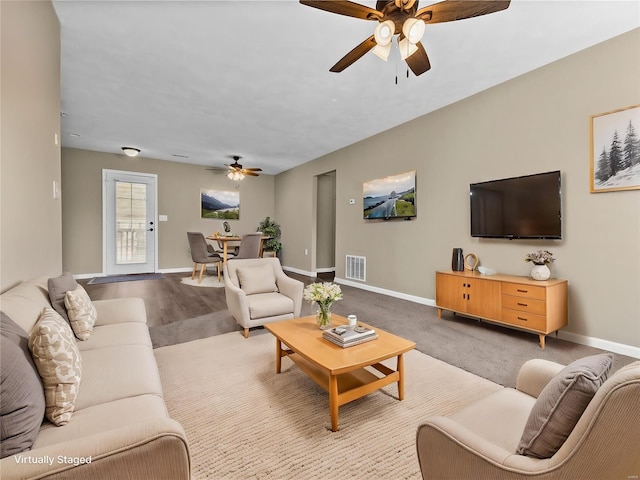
(59, 364)
(82, 313)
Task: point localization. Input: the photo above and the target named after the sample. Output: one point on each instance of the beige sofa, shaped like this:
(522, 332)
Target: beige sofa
(481, 440)
(120, 422)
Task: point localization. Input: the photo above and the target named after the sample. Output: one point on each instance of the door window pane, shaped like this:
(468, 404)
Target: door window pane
(131, 223)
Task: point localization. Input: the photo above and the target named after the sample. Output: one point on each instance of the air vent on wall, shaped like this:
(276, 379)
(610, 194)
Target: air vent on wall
(356, 268)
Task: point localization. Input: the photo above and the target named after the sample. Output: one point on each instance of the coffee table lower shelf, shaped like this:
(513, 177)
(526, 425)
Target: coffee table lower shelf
(349, 386)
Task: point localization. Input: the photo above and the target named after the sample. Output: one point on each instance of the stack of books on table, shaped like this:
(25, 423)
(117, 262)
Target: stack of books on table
(344, 336)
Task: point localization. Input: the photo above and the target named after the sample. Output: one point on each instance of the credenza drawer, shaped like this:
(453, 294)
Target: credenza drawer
(521, 290)
(524, 304)
(524, 319)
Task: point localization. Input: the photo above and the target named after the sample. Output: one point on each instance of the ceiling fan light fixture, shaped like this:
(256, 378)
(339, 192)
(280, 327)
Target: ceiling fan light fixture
(406, 48)
(235, 176)
(384, 33)
(413, 29)
(382, 51)
(131, 151)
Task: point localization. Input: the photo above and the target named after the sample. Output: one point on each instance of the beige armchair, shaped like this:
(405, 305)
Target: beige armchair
(259, 292)
(480, 441)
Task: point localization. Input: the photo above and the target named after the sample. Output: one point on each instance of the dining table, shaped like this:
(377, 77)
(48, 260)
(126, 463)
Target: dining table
(224, 240)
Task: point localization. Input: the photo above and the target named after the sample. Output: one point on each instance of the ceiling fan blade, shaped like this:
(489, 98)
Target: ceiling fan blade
(254, 169)
(354, 55)
(252, 174)
(451, 10)
(419, 61)
(343, 7)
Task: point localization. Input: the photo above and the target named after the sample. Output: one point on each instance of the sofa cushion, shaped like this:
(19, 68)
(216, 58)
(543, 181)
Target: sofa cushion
(255, 280)
(55, 353)
(82, 313)
(561, 403)
(21, 393)
(58, 287)
(264, 305)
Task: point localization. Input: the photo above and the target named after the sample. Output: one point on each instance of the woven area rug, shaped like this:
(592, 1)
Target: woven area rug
(207, 281)
(243, 420)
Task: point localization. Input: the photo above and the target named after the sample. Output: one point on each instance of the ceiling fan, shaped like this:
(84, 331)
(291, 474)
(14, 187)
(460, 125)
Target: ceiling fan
(236, 171)
(402, 18)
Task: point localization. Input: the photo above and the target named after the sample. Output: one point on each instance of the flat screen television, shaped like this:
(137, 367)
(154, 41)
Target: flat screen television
(520, 207)
(390, 197)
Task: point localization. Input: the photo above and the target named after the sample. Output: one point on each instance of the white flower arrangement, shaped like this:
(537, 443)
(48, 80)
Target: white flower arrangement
(541, 257)
(324, 294)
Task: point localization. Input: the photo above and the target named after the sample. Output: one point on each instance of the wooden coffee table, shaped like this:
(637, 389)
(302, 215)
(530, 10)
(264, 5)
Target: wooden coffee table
(346, 373)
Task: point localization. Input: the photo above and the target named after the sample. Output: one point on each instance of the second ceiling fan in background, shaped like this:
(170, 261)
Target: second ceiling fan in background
(402, 18)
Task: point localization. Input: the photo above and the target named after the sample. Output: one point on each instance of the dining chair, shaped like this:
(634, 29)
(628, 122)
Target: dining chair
(249, 246)
(202, 254)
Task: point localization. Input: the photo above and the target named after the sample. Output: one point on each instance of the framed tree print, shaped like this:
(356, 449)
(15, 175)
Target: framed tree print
(615, 150)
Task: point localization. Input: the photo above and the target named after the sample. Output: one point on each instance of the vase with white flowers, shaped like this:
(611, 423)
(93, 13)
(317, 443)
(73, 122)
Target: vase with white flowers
(540, 259)
(323, 294)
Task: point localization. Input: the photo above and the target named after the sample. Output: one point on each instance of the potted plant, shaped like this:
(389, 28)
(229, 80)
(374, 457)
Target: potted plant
(270, 228)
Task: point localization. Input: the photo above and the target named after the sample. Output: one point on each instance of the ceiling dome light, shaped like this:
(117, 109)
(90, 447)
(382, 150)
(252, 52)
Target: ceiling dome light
(384, 33)
(131, 151)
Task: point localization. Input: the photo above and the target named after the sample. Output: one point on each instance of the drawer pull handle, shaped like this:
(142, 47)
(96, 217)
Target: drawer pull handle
(523, 319)
(522, 304)
(522, 291)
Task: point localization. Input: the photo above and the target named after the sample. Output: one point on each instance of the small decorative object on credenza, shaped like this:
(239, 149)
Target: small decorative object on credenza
(540, 259)
(323, 294)
(346, 337)
(470, 262)
(457, 260)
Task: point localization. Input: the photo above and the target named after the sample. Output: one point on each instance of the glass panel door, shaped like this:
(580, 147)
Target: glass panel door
(130, 232)
(131, 223)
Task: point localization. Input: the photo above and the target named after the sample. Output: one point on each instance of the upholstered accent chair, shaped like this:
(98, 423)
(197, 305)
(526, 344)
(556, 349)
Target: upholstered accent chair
(202, 254)
(258, 292)
(481, 440)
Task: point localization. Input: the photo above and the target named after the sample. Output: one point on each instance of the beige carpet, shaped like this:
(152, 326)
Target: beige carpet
(244, 421)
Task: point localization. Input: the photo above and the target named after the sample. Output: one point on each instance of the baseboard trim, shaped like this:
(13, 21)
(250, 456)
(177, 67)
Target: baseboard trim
(384, 291)
(300, 271)
(620, 348)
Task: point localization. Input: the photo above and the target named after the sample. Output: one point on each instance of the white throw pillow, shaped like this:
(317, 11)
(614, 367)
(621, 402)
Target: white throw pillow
(82, 313)
(257, 279)
(55, 353)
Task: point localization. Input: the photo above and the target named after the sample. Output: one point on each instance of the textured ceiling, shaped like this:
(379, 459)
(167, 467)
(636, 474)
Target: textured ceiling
(209, 79)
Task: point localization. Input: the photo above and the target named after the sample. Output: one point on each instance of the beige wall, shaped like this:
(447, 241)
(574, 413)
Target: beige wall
(31, 234)
(537, 122)
(179, 187)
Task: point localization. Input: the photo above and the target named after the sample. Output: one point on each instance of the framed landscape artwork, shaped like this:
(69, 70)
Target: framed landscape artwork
(390, 197)
(615, 150)
(219, 204)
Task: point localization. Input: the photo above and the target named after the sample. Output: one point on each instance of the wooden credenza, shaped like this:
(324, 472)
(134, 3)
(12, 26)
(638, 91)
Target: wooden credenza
(532, 305)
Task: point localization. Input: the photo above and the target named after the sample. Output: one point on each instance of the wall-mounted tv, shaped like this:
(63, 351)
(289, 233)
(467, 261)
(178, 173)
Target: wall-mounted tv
(390, 197)
(521, 207)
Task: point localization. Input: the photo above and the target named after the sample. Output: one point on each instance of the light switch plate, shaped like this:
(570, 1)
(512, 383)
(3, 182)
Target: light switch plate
(163, 218)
